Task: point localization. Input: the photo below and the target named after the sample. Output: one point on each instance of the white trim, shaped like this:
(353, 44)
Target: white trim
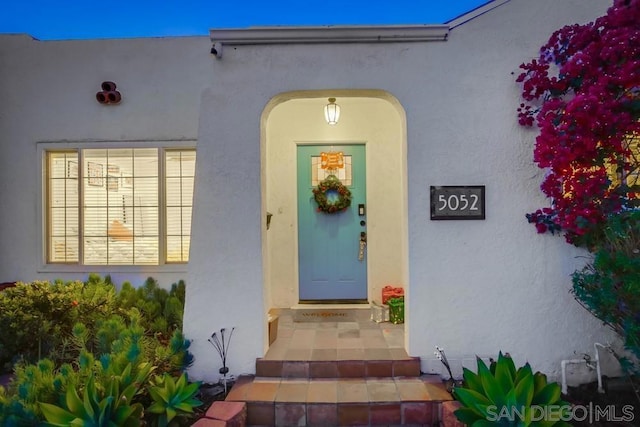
(110, 143)
(329, 34)
(473, 14)
(147, 269)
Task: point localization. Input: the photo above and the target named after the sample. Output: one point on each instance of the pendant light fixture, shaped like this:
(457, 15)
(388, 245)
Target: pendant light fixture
(332, 112)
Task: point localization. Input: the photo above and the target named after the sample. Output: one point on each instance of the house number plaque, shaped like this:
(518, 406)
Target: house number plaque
(457, 202)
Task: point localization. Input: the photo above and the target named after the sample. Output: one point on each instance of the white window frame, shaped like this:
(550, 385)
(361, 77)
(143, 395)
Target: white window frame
(162, 267)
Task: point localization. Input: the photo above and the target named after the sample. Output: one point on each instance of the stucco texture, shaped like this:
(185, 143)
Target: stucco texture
(49, 91)
(473, 287)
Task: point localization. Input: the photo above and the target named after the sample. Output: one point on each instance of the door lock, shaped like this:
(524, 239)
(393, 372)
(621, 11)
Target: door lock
(363, 245)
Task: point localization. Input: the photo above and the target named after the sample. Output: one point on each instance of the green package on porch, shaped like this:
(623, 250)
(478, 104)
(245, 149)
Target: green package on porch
(396, 310)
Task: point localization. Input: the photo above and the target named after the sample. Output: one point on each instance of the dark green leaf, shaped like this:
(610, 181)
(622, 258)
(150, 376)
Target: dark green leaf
(549, 394)
(466, 415)
(472, 381)
(470, 398)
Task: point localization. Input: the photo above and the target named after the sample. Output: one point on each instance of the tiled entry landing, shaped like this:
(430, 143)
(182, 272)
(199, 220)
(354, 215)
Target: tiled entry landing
(361, 339)
(339, 373)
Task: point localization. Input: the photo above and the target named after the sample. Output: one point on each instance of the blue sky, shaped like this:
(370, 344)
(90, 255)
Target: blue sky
(56, 20)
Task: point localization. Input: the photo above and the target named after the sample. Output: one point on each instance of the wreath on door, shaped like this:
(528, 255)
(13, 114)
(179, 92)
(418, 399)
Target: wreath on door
(332, 185)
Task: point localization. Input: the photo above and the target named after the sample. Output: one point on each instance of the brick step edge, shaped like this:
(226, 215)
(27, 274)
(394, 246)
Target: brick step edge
(448, 417)
(224, 414)
(338, 368)
(332, 414)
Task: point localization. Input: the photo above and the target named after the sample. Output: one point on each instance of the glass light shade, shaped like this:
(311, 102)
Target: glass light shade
(332, 112)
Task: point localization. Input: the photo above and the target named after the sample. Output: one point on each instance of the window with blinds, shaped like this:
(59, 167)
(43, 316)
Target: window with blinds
(124, 206)
(180, 168)
(62, 207)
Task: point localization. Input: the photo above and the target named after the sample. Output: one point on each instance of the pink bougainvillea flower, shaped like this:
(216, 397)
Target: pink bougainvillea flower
(583, 93)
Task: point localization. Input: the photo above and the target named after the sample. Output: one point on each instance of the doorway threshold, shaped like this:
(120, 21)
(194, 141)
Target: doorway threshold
(302, 306)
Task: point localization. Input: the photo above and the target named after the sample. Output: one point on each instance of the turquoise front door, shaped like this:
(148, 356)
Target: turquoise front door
(330, 263)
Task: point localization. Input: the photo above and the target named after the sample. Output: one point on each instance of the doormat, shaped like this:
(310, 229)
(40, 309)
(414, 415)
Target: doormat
(322, 315)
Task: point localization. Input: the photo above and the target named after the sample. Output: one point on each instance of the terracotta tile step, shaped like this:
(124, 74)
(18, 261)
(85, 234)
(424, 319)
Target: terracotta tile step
(448, 417)
(409, 367)
(341, 401)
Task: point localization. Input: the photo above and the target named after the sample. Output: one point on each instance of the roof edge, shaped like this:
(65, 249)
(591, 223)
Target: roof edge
(473, 14)
(329, 34)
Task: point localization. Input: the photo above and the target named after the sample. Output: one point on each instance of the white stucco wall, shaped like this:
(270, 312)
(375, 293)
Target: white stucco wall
(474, 287)
(48, 96)
(495, 285)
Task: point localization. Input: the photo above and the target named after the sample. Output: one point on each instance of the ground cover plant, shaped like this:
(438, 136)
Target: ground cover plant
(96, 356)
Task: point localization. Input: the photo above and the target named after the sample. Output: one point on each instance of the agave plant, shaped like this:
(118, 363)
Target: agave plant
(172, 398)
(500, 395)
(111, 407)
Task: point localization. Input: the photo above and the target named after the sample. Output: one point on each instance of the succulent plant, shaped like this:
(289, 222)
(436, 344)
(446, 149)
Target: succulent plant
(172, 398)
(500, 395)
(111, 407)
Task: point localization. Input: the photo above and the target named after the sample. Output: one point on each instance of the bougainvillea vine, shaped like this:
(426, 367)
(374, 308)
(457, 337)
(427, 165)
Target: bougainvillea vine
(583, 93)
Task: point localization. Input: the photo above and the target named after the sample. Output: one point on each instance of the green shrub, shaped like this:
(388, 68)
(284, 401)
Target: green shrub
(161, 310)
(13, 412)
(32, 383)
(37, 317)
(101, 362)
(502, 395)
(174, 356)
(609, 287)
(103, 380)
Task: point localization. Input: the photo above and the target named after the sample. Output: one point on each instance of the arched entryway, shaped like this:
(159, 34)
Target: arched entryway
(371, 119)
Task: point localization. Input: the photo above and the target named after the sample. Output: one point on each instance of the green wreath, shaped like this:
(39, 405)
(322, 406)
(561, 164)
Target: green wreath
(332, 183)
